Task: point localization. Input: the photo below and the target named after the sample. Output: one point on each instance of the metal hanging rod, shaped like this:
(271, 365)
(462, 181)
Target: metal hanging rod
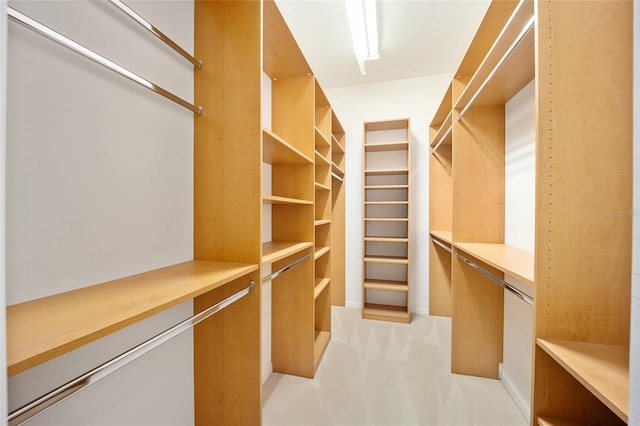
(274, 275)
(517, 292)
(528, 26)
(442, 138)
(89, 54)
(444, 246)
(153, 30)
(337, 177)
(74, 386)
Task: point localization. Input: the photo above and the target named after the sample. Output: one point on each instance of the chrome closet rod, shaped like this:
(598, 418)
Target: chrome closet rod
(442, 139)
(274, 275)
(337, 177)
(528, 26)
(153, 30)
(444, 246)
(517, 292)
(89, 54)
(74, 386)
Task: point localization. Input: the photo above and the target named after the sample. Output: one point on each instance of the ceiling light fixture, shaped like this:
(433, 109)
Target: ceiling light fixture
(363, 22)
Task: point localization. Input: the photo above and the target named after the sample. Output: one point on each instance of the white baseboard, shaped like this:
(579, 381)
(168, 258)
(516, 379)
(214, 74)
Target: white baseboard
(517, 397)
(267, 374)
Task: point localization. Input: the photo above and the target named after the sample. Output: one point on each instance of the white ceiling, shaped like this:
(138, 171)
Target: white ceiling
(416, 37)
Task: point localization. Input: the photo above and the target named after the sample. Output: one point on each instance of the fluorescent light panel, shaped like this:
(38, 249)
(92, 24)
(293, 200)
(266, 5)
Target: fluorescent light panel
(364, 30)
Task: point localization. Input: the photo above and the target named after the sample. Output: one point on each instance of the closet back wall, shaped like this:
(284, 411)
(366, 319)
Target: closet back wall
(415, 98)
(100, 186)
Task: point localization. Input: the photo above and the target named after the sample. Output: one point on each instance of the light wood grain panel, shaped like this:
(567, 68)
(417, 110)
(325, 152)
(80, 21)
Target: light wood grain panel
(293, 112)
(293, 181)
(477, 321)
(278, 151)
(441, 189)
(42, 329)
(602, 369)
(478, 176)
(444, 236)
(277, 250)
(337, 243)
(584, 180)
(443, 111)
(511, 260)
(227, 162)
(439, 281)
(292, 329)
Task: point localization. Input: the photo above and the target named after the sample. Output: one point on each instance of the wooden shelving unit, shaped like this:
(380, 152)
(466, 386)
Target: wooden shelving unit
(581, 280)
(387, 160)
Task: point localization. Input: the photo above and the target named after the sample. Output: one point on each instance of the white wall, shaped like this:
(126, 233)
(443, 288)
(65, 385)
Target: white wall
(520, 182)
(634, 396)
(418, 99)
(100, 186)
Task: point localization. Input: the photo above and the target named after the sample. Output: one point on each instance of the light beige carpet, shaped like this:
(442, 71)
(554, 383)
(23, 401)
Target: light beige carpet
(380, 373)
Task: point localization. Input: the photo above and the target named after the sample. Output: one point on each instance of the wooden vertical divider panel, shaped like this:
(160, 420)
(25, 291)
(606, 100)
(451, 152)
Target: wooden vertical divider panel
(584, 201)
(338, 164)
(227, 158)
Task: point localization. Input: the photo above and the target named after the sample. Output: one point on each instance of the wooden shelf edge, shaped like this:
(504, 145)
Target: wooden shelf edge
(386, 285)
(275, 199)
(386, 172)
(321, 251)
(508, 259)
(444, 236)
(386, 313)
(386, 219)
(318, 185)
(322, 138)
(321, 222)
(442, 130)
(387, 239)
(321, 285)
(276, 250)
(336, 142)
(386, 187)
(270, 137)
(386, 259)
(392, 146)
(602, 369)
(322, 159)
(43, 329)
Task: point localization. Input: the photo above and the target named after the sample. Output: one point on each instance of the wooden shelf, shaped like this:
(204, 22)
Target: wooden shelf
(277, 151)
(386, 259)
(510, 260)
(444, 236)
(321, 251)
(374, 126)
(386, 313)
(321, 141)
(444, 110)
(386, 285)
(386, 219)
(274, 199)
(443, 130)
(386, 203)
(514, 74)
(322, 222)
(337, 170)
(387, 239)
(387, 187)
(336, 144)
(602, 369)
(393, 146)
(43, 329)
(321, 186)
(321, 285)
(386, 172)
(321, 159)
(276, 250)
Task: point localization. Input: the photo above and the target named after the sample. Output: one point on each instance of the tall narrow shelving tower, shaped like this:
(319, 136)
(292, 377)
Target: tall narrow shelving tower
(386, 168)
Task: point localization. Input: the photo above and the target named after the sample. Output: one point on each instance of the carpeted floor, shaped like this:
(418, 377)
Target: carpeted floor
(380, 373)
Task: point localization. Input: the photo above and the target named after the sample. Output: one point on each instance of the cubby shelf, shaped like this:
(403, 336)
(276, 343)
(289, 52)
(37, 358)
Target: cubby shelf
(337, 170)
(386, 172)
(602, 369)
(321, 251)
(510, 260)
(443, 135)
(337, 147)
(278, 151)
(386, 313)
(43, 329)
(322, 159)
(321, 141)
(444, 236)
(276, 250)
